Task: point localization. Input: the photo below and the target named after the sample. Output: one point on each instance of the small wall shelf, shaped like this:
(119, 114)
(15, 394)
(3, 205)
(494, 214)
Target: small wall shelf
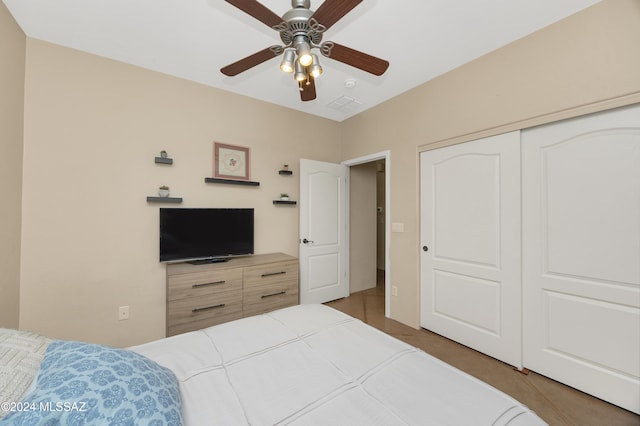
(285, 202)
(162, 160)
(164, 199)
(231, 181)
(285, 172)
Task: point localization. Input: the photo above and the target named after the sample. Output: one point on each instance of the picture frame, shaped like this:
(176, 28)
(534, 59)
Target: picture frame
(230, 161)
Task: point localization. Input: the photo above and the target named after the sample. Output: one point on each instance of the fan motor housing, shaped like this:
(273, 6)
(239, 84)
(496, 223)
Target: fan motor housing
(298, 23)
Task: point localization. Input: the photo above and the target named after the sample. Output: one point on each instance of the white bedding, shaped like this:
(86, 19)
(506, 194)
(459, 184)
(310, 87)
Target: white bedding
(313, 365)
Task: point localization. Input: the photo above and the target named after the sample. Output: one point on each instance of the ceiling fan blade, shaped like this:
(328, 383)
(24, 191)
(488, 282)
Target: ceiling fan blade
(250, 61)
(258, 11)
(355, 58)
(309, 92)
(331, 11)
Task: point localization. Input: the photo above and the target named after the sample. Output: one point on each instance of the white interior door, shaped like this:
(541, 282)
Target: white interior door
(323, 237)
(581, 251)
(470, 224)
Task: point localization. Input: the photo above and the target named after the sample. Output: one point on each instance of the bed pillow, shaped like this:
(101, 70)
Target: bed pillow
(82, 384)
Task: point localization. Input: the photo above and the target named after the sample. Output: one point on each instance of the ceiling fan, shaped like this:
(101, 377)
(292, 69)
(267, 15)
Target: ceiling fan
(301, 30)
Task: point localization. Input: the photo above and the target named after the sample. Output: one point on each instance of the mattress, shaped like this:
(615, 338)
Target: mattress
(313, 365)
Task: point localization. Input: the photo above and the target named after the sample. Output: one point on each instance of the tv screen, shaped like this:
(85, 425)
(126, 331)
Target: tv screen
(205, 234)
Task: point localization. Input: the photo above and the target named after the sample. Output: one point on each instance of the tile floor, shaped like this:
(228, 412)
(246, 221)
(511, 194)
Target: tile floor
(556, 403)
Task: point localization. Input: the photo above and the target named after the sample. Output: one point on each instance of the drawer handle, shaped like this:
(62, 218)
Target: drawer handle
(207, 284)
(268, 274)
(274, 294)
(207, 308)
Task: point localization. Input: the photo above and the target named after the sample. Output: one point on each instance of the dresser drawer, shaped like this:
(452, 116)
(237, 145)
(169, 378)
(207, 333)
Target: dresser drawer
(265, 275)
(194, 313)
(200, 284)
(200, 296)
(260, 299)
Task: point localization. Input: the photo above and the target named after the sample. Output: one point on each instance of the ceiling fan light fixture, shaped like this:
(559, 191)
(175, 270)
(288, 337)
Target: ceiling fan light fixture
(287, 61)
(315, 69)
(304, 51)
(300, 74)
(305, 59)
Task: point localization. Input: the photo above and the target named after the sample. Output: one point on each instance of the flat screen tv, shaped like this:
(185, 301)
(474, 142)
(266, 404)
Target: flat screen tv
(205, 234)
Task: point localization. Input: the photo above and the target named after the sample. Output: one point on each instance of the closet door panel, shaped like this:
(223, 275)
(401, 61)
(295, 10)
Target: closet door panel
(470, 230)
(591, 225)
(581, 253)
(459, 209)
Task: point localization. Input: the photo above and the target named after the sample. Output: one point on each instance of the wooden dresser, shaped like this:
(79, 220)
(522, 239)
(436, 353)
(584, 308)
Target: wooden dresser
(200, 296)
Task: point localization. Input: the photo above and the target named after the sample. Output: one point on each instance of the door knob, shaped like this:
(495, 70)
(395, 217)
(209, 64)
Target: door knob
(425, 248)
(307, 241)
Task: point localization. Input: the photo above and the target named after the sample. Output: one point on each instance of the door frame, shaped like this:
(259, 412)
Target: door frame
(386, 156)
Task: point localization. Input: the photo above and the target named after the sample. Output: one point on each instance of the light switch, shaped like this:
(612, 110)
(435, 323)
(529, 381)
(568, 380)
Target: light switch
(397, 227)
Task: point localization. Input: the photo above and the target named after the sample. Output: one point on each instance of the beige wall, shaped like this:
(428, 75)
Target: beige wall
(362, 227)
(587, 62)
(12, 52)
(92, 129)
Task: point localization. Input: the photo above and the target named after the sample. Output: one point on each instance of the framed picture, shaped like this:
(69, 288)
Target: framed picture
(230, 162)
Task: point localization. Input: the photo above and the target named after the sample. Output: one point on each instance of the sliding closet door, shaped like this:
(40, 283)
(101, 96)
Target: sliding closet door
(470, 233)
(581, 253)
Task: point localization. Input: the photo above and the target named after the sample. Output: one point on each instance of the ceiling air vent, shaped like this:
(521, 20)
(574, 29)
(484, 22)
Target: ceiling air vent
(345, 104)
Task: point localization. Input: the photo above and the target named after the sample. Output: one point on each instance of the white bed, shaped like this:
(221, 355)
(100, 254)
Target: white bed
(304, 365)
(313, 365)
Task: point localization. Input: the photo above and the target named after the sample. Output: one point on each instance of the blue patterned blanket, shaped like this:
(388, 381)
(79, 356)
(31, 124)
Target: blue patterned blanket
(83, 384)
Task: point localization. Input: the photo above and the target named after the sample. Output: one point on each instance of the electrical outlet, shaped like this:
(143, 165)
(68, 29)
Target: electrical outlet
(123, 313)
(394, 290)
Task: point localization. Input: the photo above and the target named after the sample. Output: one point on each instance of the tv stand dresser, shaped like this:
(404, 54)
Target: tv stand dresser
(200, 296)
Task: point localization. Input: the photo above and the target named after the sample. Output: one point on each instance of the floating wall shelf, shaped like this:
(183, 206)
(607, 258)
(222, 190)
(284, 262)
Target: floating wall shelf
(161, 160)
(164, 199)
(285, 202)
(231, 181)
(285, 172)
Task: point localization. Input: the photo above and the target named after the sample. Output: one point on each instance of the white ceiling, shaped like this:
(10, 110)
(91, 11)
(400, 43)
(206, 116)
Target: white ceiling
(193, 39)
